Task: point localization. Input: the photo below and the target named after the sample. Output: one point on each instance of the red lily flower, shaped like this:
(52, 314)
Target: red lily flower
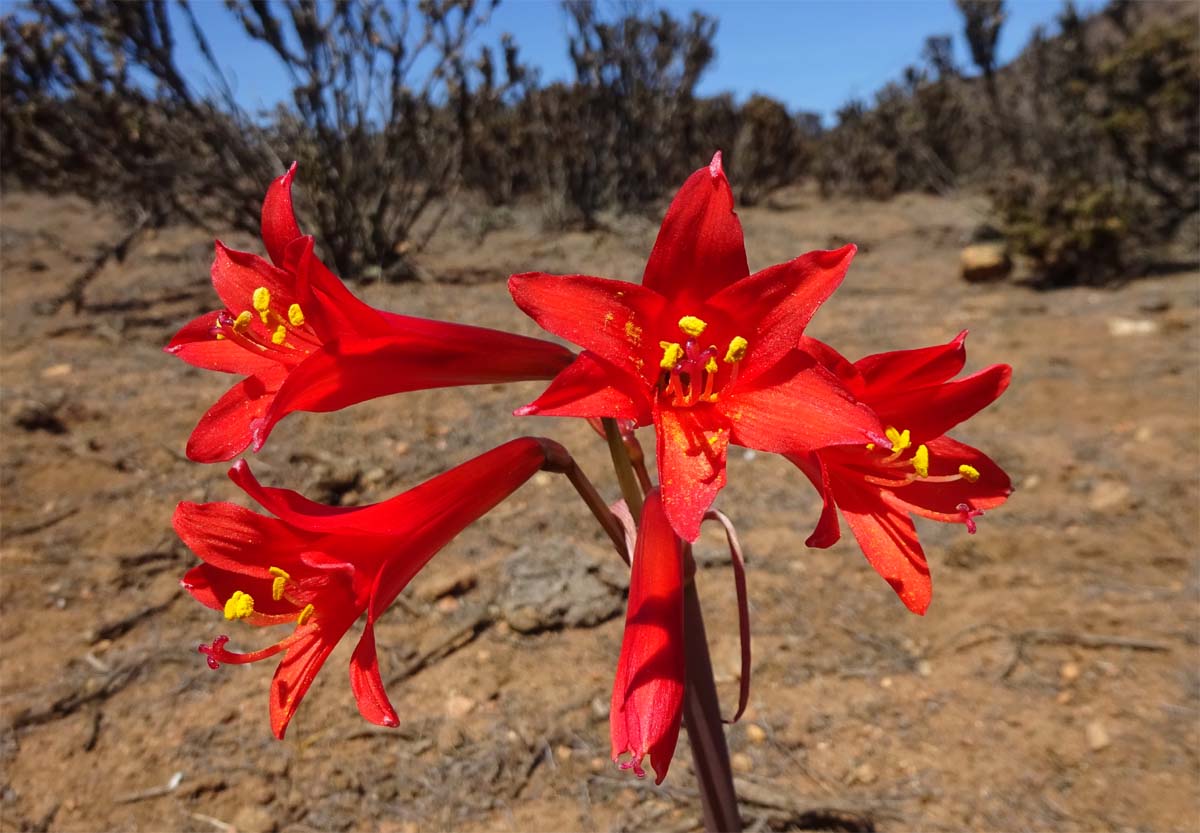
(701, 349)
(647, 698)
(320, 567)
(920, 471)
(306, 343)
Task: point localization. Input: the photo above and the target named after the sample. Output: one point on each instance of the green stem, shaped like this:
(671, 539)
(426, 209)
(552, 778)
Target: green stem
(624, 468)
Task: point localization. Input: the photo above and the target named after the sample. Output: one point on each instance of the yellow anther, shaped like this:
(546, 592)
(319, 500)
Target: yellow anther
(239, 606)
(279, 335)
(672, 353)
(870, 446)
(969, 473)
(920, 460)
(278, 583)
(900, 440)
(711, 366)
(262, 299)
(296, 315)
(305, 615)
(737, 350)
(243, 320)
(692, 326)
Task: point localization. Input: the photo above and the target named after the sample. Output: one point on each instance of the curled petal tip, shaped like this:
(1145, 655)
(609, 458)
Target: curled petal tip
(714, 167)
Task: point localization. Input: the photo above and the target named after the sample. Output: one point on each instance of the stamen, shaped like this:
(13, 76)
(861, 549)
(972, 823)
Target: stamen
(969, 473)
(279, 335)
(674, 386)
(305, 614)
(672, 353)
(280, 581)
(692, 326)
(737, 350)
(920, 460)
(900, 440)
(262, 302)
(242, 322)
(296, 315)
(239, 606)
(710, 380)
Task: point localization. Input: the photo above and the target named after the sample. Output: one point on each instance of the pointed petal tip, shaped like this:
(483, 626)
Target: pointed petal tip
(714, 167)
(527, 410)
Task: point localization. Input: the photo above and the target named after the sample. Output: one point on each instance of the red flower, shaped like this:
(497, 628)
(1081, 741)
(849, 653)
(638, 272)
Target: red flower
(320, 567)
(919, 471)
(305, 343)
(701, 349)
(647, 698)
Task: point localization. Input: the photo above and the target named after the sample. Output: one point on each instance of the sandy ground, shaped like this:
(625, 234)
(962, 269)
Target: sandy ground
(1054, 684)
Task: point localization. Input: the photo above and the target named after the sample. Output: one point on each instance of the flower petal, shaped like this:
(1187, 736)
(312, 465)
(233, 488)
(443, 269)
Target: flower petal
(781, 301)
(900, 370)
(367, 685)
(699, 250)
(298, 669)
(827, 532)
(647, 698)
(889, 541)
(591, 387)
(279, 226)
(235, 276)
(930, 411)
(610, 318)
(797, 407)
(344, 373)
(197, 345)
(692, 443)
(224, 430)
(832, 360)
(235, 539)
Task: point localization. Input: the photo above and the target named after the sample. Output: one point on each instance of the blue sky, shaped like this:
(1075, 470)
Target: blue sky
(811, 54)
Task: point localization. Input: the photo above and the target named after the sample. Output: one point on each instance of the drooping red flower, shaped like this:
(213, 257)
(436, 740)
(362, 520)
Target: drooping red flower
(702, 349)
(320, 567)
(919, 470)
(306, 343)
(647, 698)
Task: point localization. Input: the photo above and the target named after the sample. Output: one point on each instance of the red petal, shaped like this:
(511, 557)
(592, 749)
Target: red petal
(212, 587)
(832, 360)
(699, 250)
(797, 407)
(298, 669)
(647, 699)
(235, 539)
(611, 318)
(931, 411)
(197, 345)
(889, 541)
(344, 373)
(235, 276)
(278, 218)
(936, 500)
(827, 531)
(901, 370)
(591, 387)
(780, 301)
(691, 463)
(224, 431)
(333, 310)
(365, 682)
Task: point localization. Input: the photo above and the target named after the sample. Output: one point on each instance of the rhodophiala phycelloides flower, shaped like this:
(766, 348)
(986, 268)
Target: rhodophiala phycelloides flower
(702, 349)
(317, 568)
(306, 343)
(919, 471)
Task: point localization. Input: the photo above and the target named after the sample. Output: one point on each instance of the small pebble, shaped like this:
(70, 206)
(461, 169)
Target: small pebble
(459, 706)
(1097, 736)
(741, 762)
(1069, 672)
(756, 734)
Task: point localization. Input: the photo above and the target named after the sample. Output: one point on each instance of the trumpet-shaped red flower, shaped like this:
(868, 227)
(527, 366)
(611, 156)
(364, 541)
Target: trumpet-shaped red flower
(702, 349)
(647, 698)
(320, 567)
(306, 343)
(919, 471)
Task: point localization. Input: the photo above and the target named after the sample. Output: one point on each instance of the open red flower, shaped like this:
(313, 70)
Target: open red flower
(701, 349)
(647, 698)
(320, 567)
(306, 343)
(919, 470)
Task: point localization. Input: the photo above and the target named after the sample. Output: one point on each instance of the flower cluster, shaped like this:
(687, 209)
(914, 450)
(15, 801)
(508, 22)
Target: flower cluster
(707, 353)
